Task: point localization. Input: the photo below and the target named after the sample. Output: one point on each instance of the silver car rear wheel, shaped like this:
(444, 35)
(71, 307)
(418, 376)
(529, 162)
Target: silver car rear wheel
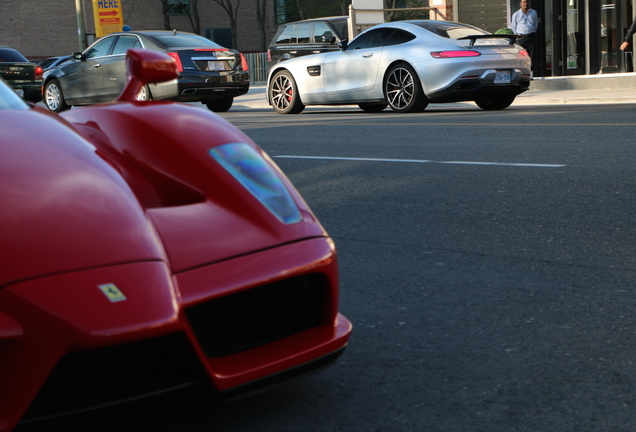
(283, 94)
(403, 90)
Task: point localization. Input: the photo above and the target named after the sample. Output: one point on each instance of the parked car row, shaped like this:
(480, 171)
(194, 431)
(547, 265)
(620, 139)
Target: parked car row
(403, 65)
(208, 72)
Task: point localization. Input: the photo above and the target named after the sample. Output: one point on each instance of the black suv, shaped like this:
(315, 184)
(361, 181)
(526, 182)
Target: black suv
(306, 37)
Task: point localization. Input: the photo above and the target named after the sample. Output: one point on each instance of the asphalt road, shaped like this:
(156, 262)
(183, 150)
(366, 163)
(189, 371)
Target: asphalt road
(487, 263)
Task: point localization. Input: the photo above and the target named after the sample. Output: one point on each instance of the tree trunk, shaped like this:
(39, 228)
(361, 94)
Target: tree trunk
(344, 6)
(195, 21)
(165, 7)
(232, 13)
(301, 9)
(261, 18)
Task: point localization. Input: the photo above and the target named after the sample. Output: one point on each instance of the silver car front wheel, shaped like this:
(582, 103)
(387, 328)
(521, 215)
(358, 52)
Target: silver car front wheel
(283, 94)
(403, 90)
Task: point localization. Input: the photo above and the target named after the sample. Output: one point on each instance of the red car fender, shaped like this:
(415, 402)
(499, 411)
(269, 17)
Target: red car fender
(65, 208)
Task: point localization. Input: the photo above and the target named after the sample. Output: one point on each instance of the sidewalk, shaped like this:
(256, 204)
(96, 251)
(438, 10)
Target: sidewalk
(585, 96)
(596, 89)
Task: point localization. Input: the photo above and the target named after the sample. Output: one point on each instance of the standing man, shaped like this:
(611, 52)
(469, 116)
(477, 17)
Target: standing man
(628, 36)
(525, 23)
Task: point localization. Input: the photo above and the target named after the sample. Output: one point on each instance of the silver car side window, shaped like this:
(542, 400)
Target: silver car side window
(399, 37)
(372, 39)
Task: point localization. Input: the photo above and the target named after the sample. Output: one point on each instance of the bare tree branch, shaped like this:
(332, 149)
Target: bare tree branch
(261, 18)
(232, 13)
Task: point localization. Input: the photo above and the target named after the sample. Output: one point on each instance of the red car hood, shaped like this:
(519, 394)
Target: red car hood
(200, 211)
(63, 208)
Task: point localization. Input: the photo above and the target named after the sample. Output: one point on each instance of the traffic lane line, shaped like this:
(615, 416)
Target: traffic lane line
(533, 165)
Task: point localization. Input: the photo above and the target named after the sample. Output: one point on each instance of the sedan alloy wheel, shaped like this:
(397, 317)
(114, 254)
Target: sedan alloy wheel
(54, 97)
(144, 94)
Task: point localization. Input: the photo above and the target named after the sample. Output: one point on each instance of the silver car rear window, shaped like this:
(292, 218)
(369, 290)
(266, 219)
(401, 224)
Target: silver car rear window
(450, 30)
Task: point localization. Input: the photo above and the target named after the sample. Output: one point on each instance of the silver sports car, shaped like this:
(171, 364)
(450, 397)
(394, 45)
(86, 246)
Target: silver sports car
(406, 65)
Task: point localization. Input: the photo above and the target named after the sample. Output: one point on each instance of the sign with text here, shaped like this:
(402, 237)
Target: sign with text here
(107, 16)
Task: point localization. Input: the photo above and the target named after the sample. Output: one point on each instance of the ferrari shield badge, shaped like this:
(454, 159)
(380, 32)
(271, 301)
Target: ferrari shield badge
(112, 292)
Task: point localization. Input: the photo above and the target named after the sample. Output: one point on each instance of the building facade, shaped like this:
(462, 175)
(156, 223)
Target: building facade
(44, 28)
(575, 37)
(582, 37)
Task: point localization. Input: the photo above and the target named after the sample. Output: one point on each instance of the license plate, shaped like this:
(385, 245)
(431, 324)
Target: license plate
(216, 65)
(502, 77)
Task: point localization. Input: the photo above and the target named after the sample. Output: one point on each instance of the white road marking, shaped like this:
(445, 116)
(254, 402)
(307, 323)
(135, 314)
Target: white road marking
(535, 165)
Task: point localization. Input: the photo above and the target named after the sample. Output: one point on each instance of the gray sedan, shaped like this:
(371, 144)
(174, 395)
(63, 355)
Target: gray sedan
(208, 72)
(406, 65)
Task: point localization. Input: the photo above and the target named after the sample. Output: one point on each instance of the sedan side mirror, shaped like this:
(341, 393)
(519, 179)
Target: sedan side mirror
(329, 39)
(343, 44)
(78, 56)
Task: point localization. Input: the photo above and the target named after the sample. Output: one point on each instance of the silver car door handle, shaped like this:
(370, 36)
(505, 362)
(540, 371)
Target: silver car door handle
(97, 65)
(316, 52)
(293, 52)
(367, 55)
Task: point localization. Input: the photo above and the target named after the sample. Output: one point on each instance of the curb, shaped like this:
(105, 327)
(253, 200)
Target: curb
(255, 98)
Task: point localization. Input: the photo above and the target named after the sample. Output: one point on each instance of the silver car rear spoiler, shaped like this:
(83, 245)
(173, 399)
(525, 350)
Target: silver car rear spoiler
(511, 37)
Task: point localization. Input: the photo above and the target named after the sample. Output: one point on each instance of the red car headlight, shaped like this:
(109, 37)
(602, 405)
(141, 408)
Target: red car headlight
(250, 169)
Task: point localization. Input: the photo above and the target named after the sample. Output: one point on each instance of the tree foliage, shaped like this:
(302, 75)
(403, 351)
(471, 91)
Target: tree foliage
(305, 9)
(406, 15)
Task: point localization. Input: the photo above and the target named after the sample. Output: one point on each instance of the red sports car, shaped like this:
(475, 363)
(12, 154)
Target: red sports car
(147, 246)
